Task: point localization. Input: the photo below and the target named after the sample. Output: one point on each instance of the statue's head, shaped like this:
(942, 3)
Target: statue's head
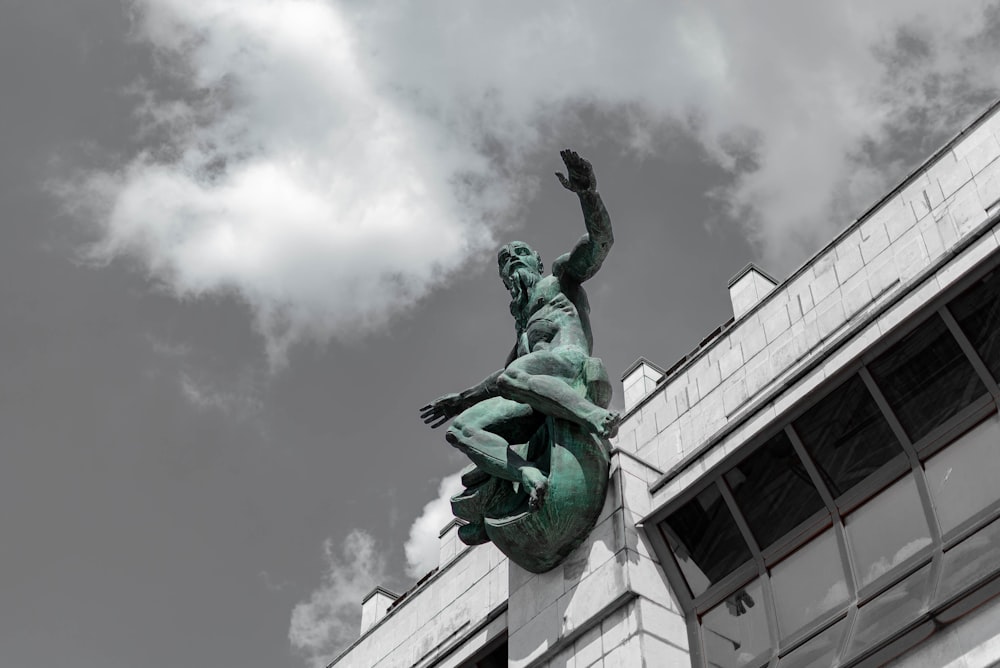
(520, 268)
(518, 257)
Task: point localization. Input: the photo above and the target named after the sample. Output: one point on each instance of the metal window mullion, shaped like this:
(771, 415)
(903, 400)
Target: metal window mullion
(741, 523)
(675, 577)
(916, 467)
(846, 557)
(934, 577)
(970, 352)
(923, 490)
(696, 638)
(848, 635)
(889, 415)
(769, 605)
(810, 466)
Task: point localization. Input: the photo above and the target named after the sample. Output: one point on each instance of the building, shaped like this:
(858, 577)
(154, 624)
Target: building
(814, 485)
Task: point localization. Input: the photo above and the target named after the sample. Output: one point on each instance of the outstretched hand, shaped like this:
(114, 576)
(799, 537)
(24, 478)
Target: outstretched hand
(581, 174)
(442, 409)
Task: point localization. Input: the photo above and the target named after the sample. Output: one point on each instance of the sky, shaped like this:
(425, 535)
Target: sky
(243, 241)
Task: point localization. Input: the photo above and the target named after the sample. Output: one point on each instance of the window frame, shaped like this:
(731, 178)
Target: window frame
(835, 509)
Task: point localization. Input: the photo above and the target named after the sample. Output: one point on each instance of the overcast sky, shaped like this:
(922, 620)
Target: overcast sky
(245, 240)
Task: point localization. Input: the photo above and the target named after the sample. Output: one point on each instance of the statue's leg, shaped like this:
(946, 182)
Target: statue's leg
(485, 432)
(545, 381)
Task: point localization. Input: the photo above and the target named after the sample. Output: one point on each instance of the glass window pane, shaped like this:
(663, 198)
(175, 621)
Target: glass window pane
(926, 379)
(808, 584)
(974, 559)
(819, 651)
(887, 530)
(735, 632)
(891, 610)
(773, 490)
(847, 436)
(977, 311)
(963, 477)
(705, 539)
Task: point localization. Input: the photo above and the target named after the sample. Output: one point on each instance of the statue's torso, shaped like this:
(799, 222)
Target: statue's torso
(558, 315)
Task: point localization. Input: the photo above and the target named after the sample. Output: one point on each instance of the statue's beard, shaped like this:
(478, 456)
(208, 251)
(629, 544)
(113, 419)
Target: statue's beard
(521, 282)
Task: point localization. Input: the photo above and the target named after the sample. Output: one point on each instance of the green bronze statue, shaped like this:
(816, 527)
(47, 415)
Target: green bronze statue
(537, 429)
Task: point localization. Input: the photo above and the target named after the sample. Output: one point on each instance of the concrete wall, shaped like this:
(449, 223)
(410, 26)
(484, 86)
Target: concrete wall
(906, 245)
(608, 604)
(447, 616)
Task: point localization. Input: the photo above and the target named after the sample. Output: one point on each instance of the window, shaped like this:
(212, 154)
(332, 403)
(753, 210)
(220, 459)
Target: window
(809, 584)
(926, 378)
(890, 611)
(495, 657)
(838, 588)
(735, 631)
(820, 650)
(977, 311)
(773, 490)
(705, 540)
(847, 436)
(962, 478)
(887, 531)
(974, 559)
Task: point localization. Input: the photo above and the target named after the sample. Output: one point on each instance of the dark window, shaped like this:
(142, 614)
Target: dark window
(847, 436)
(705, 539)
(926, 379)
(773, 490)
(977, 311)
(496, 658)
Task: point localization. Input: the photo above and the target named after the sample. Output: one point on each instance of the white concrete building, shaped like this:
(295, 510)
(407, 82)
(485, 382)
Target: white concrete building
(815, 485)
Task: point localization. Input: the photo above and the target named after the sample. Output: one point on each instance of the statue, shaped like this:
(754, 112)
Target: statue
(537, 429)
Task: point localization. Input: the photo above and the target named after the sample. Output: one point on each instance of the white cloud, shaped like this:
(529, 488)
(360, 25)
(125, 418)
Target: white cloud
(883, 565)
(333, 161)
(331, 619)
(423, 545)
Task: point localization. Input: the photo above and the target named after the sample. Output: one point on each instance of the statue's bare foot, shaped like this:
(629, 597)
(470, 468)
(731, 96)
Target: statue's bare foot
(604, 423)
(536, 484)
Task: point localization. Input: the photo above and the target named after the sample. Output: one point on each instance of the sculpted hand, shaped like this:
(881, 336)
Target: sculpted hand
(442, 409)
(581, 174)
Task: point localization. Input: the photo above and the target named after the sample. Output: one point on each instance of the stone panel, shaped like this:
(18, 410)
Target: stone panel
(462, 594)
(865, 267)
(979, 149)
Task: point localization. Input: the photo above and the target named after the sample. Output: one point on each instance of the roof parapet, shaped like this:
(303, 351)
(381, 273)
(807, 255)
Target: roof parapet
(748, 287)
(374, 606)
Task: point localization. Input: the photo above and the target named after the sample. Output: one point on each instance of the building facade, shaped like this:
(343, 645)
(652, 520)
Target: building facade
(815, 485)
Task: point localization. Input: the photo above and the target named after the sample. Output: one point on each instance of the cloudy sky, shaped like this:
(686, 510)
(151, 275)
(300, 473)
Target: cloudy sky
(245, 240)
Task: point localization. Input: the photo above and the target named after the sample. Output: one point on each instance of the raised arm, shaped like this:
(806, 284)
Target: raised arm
(444, 408)
(587, 256)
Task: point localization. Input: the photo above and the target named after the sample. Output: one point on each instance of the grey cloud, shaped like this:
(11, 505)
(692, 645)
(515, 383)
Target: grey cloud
(333, 163)
(330, 619)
